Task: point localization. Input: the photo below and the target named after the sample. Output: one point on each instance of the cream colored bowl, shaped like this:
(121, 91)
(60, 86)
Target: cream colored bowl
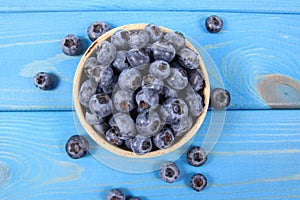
(98, 138)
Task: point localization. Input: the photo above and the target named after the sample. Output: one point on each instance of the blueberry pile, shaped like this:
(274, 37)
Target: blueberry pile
(142, 89)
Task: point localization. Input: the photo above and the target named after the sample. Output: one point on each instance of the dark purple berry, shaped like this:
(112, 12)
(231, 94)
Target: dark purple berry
(214, 24)
(174, 110)
(196, 156)
(146, 99)
(164, 139)
(77, 146)
(42, 80)
(198, 182)
(123, 124)
(196, 79)
(163, 50)
(101, 104)
(154, 32)
(120, 39)
(177, 39)
(138, 39)
(169, 172)
(71, 45)
(120, 63)
(112, 136)
(188, 58)
(137, 58)
(141, 144)
(220, 98)
(97, 29)
(115, 194)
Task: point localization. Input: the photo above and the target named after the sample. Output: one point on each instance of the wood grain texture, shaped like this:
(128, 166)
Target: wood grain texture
(249, 47)
(267, 6)
(256, 157)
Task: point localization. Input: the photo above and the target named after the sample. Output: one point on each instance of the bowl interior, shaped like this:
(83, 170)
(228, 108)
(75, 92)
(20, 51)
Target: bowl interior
(98, 138)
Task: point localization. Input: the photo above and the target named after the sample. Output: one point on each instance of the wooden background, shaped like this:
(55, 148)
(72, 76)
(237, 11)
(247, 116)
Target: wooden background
(257, 54)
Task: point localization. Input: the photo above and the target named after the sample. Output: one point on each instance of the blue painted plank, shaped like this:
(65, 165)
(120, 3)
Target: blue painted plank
(267, 6)
(256, 157)
(251, 49)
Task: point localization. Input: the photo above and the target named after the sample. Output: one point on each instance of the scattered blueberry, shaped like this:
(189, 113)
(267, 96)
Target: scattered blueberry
(146, 99)
(141, 144)
(115, 194)
(120, 63)
(77, 146)
(87, 90)
(198, 182)
(101, 104)
(130, 79)
(169, 172)
(101, 128)
(178, 78)
(174, 110)
(188, 58)
(177, 39)
(120, 39)
(106, 53)
(183, 126)
(154, 32)
(195, 103)
(137, 58)
(96, 29)
(220, 98)
(71, 45)
(43, 80)
(214, 24)
(164, 139)
(123, 124)
(160, 69)
(124, 101)
(196, 156)
(148, 123)
(138, 39)
(196, 79)
(93, 118)
(163, 50)
(112, 136)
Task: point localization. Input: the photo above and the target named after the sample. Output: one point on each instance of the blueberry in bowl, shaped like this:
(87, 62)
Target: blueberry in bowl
(141, 91)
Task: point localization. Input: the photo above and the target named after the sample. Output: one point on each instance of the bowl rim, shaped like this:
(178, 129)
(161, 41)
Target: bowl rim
(102, 141)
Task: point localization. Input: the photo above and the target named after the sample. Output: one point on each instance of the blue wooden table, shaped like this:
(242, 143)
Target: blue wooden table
(257, 54)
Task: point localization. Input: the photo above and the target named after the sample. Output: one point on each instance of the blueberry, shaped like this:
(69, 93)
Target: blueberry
(164, 139)
(120, 39)
(188, 58)
(120, 63)
(71, 45)
(138, 39)
(123, 124)
(96, 29)
(214, 24)
(109, 87)
(163, 50)
(124, 101)
(169, 172)
(130, 79)
(147, 99)
(43, 80)
(137, 58)
(173, 110)
(177, 39)
(196, 79)
(148, 123)
(183, 126)
(93, 118)
(154, 32)
(77, 146)
(198, 182)
(150, 82)
(87, 90)
(112, 136)
(91, 68)
(220, 98)
(101, 104)
(196, 156)
(128, 143)
(166, 93)
(141, 144)
(178, 78)
(195, 103)
(115, 194)
(106, 53)
(160, 69)
(101, 128)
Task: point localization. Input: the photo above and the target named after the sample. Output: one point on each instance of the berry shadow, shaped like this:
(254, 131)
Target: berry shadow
(86, 42)
(54, 81)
